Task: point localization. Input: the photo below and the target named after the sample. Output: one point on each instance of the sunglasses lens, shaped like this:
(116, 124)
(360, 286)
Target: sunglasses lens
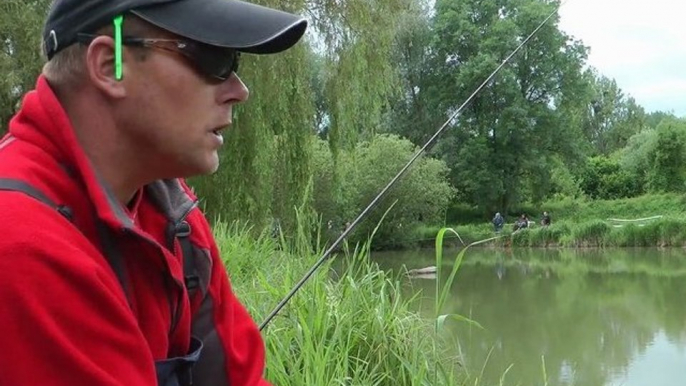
(215, 61)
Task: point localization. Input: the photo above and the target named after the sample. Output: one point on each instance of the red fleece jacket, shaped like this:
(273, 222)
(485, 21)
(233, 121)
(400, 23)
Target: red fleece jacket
(64, 316)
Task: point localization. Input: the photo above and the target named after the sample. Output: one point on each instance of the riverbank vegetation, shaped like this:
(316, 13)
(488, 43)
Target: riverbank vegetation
(657, 220)
(350, 325)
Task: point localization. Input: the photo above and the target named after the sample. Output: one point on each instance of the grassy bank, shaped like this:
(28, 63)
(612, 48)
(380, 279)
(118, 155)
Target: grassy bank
(637, 207)
(579, 223)
(581, 210)
(351, 328)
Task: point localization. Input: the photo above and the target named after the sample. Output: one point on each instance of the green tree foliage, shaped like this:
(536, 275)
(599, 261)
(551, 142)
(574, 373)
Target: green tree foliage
(653, 119)
(667, 171)
(635, 157)
(655, 157)
(422, 195)
(604, 178)
(20, 41)
(503, 143)
(612, 118)
(562, 180)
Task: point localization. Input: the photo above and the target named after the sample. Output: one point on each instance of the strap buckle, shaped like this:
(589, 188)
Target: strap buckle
(182, 229)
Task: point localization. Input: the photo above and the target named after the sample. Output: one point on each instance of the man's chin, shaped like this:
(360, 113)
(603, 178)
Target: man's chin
(199, 170)
(210, 168)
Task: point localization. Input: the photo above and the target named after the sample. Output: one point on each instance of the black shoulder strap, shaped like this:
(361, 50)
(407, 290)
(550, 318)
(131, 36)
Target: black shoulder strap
(10, 184)
(182, 232)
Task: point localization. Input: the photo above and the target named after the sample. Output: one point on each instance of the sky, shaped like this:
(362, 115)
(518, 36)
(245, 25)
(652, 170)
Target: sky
(641, 44)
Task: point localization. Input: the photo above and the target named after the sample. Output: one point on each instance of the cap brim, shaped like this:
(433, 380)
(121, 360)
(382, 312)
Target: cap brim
(228, 23)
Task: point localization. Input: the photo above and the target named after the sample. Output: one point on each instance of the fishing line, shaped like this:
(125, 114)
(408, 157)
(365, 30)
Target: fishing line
(402, 171)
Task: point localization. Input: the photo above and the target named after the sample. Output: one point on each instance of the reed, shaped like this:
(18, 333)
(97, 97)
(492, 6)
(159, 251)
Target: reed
(350, 325)
(443, 289)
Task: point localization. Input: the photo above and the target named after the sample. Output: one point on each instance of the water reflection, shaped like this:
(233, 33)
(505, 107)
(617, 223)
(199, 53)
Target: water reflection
(593, 318)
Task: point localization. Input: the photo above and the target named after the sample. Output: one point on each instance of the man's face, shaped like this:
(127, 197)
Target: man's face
(173, 114)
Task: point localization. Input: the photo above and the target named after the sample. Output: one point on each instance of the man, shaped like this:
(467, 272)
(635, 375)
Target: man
(521, 223)
(109, 274)
(498, 222)
(545, 220)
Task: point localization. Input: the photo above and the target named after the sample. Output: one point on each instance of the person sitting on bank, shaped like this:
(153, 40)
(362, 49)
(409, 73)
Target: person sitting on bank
(522, 222)
(545, 221)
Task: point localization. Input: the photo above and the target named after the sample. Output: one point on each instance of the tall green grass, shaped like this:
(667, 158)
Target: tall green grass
(664, 232)
(349, 325)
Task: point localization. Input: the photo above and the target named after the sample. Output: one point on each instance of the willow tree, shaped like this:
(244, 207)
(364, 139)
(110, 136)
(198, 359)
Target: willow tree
(356, 38)
(264, 163)
(21, 24)
(335, 83)
(413, 109)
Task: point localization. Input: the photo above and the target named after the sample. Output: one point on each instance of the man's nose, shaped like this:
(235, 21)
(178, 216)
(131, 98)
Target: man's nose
(233, 90)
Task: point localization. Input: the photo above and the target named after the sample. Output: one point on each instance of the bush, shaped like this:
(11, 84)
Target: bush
(667, 159)
(603, 178)
(342, 189)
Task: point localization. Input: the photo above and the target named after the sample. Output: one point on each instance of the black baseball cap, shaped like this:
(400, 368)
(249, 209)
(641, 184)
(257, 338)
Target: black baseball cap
(234, 24)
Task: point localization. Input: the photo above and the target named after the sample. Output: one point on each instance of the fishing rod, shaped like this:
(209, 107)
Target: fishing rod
(402, 171)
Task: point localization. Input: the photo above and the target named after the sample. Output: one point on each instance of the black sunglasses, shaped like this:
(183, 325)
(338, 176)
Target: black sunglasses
(215, 62)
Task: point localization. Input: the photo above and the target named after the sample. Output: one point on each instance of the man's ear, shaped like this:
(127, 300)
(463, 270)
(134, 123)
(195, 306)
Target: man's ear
(100, 67)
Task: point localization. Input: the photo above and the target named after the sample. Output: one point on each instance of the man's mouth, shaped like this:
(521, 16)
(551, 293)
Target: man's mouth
(218, 130)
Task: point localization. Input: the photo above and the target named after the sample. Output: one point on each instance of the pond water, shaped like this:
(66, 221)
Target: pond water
(612, 317)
